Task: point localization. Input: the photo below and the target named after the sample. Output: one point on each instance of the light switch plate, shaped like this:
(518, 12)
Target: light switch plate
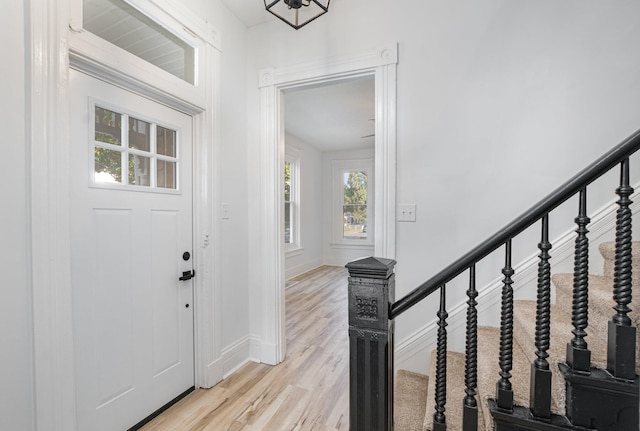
(407, 212)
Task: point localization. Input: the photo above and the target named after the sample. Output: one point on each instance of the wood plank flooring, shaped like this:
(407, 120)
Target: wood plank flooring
(308, 391)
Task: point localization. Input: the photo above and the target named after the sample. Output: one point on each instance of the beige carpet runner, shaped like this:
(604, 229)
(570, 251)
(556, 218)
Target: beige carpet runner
(414, 399)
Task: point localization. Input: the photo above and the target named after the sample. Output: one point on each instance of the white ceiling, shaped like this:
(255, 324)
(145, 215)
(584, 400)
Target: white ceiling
(333, 117)
(250, 12)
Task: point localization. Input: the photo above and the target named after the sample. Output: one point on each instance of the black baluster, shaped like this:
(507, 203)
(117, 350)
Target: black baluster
(578, 354)
(504, 392)
(621, 351)
(470, 406)
(540, 383)
(439, 419)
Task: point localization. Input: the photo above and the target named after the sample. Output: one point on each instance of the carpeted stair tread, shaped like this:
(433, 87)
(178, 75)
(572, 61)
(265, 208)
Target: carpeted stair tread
(455, 393)
(600, 311)
(608, 252)
(410, 399)
(560, 335)
(489, 367)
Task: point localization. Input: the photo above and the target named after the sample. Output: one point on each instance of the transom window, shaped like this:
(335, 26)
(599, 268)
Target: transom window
(130, 151)
(121, 24)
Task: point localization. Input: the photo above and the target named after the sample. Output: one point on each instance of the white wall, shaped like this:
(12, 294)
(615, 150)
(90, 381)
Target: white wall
(231, 176)
(498, 103)
(311, 204)
(16, 375)
(334, 253)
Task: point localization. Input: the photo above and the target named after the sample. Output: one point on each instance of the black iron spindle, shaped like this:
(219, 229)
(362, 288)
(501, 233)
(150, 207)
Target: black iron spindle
(578, 354)
(621, 349)
(439, 419)
(504, 392)
(540, 383)
(470, 406)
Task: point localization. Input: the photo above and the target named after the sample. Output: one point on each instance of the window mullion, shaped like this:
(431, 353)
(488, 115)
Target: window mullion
(124, 138)
(153, 150)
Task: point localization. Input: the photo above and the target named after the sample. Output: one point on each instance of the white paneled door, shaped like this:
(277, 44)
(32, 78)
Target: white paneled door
(131, 248)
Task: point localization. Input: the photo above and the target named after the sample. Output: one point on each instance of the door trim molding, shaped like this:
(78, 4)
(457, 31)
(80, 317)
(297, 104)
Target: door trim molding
(49, 230)
(47, 103)
(381, 63)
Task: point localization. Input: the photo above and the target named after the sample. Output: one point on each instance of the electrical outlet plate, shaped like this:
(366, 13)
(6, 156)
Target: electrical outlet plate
(407, 212)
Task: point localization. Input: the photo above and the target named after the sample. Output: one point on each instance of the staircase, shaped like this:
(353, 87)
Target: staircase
(414, 400)
(568, 365)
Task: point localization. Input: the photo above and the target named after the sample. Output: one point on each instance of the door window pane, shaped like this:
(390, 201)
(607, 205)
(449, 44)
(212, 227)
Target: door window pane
(166, 142)
(139, 170)
(139, 136)
(108, 166)
(149, 159)
(166, 174)
(108, 126)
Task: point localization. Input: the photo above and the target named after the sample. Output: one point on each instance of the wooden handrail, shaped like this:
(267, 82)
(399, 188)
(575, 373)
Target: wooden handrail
(553, 200)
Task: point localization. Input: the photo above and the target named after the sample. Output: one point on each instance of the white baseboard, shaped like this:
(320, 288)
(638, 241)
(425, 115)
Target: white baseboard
(294, 271)
(268, 353)
(239, 353)
(213, 374)
(235, 355)
(413, 352)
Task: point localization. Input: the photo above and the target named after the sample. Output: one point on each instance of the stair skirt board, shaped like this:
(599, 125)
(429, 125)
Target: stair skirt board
(413, 352)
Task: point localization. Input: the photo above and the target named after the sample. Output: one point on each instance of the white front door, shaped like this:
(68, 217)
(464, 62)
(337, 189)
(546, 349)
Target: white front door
(131, 242)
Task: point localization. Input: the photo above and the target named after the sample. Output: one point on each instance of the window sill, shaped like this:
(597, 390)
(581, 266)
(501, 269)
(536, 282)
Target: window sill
(352, 245)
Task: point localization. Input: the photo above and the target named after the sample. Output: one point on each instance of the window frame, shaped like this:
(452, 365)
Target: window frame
(339, 168)
(125, 150)
(90, 52)
(292, 156)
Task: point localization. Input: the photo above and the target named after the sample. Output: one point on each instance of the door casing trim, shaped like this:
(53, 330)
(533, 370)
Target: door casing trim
(381, 63)
(47, 102)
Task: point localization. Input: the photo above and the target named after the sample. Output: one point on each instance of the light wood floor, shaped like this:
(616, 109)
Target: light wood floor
(308, 391)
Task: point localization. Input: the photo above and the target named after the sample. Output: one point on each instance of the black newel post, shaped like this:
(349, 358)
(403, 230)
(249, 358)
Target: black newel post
(371, 291)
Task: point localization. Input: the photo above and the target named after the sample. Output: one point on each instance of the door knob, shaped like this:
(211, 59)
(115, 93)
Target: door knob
(187, 275)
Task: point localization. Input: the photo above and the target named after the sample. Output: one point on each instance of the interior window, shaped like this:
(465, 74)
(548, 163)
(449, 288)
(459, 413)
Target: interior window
(354, 207)
(292, 199)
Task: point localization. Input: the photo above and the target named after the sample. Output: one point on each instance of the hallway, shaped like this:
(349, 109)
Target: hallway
(308, 391)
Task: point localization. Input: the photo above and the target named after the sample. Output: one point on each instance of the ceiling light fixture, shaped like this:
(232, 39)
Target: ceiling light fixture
(297, 13)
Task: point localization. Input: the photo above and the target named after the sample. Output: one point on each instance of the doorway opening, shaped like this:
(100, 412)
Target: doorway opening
(329, 183)
(378, 65)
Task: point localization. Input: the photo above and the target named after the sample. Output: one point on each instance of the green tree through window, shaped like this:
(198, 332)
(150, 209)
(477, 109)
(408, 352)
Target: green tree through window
(354, 208)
